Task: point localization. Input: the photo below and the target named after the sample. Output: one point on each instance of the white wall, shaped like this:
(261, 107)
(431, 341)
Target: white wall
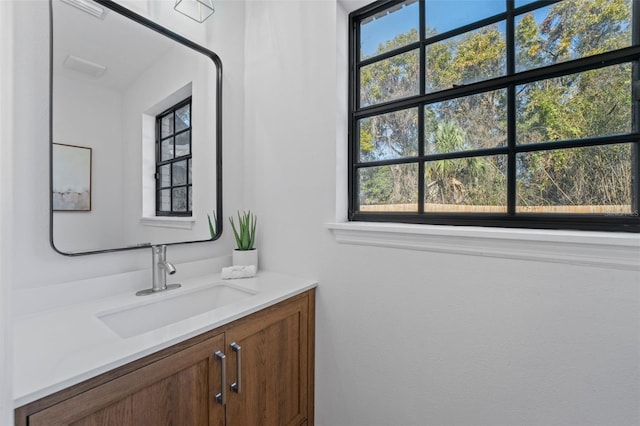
(6, 168)
(99, 128)
(412, 337)
(290, 84)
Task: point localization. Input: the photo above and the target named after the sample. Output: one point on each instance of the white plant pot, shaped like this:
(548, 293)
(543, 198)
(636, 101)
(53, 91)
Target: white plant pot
(245, 257)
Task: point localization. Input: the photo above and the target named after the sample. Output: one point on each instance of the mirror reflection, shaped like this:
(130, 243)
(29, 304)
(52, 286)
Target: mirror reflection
(135, 129)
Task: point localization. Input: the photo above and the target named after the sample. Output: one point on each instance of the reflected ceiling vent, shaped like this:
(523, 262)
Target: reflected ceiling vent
(84, 66)
(89, 7)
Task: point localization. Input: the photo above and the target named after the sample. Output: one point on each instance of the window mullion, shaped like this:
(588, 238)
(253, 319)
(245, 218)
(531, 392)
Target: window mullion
(354, 104)
(388, 54)
(635, 109)
(511, 112)
(171, 186)
(421, 165)
(421, 135)
(157, 175)
(175, 122)
(423, 30)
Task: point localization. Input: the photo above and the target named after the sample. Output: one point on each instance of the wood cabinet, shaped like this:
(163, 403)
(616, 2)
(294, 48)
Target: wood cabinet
(267, 358)
(275, 387)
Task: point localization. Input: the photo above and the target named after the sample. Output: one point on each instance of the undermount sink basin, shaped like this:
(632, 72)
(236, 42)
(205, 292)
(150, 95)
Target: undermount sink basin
(168, 308)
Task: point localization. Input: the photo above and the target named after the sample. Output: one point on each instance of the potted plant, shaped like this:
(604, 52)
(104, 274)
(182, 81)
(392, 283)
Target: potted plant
(213, 225)
(245, 234)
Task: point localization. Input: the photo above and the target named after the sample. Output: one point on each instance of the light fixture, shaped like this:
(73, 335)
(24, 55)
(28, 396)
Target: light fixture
(198, 10)
(89, 7)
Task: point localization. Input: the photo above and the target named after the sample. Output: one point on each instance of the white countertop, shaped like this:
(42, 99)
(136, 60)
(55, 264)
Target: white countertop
(60, 347)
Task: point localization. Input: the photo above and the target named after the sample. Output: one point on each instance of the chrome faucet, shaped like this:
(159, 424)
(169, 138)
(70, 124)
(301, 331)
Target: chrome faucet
(159, 270)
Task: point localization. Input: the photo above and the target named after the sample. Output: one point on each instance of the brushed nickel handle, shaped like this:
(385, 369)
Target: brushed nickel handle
(235, 386)
(221, 397)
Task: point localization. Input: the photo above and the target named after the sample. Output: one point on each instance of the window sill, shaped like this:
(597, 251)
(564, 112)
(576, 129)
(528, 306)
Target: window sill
(599, 249)
(168, 222)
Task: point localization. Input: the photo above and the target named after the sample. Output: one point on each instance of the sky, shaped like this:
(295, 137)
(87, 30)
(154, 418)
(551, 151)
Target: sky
(441, 15)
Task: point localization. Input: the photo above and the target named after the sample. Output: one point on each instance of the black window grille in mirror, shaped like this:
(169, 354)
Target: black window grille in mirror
(173, 160)
(507, 113)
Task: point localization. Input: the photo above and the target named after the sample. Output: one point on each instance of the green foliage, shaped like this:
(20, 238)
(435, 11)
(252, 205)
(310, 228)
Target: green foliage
(245, 234)
(600, 27)
(473, 180)
(389, 135)
(366, 138)
(480, 55)
(393, 78)
(465, 59)
(376, 185)
(529, 40)
(213, 225)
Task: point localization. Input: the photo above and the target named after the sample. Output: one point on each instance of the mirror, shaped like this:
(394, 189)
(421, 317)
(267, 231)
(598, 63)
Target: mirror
(135, 132)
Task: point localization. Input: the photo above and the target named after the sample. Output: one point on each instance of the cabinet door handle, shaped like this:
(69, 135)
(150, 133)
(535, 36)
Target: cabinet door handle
(221, 397)
(235, 386)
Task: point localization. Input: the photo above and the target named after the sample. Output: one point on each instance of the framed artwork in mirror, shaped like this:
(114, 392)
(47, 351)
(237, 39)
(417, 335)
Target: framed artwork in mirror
(71, 174)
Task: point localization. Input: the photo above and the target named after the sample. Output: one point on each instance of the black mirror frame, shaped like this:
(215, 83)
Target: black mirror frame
(115, 7)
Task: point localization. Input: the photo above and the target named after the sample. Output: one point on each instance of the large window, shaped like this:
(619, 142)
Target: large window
(173, 161)
(513, 113)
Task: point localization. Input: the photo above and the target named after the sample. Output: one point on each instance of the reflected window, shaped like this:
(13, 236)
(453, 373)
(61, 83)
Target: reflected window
(514, 113)
(173, 161)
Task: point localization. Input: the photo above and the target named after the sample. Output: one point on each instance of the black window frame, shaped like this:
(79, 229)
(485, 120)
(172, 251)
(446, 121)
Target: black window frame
(159, 162)
(510, 219)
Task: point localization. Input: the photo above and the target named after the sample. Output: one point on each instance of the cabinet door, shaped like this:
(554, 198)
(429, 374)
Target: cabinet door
(177, 390)
(275, 366)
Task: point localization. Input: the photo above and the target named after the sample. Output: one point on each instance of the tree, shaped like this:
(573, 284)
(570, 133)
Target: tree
(448, 180)
(586, 104)
(592, 103)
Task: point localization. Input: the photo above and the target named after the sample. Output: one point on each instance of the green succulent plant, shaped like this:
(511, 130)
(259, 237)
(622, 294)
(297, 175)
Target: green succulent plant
(245, 234)
(213, 225)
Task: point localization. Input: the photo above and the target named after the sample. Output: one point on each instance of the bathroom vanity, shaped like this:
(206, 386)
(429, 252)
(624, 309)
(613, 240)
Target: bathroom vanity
(253, 364)
(208, 352)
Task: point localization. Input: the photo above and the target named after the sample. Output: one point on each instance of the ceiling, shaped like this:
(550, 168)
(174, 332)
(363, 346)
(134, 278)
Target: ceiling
(126, 50)
(351, 5)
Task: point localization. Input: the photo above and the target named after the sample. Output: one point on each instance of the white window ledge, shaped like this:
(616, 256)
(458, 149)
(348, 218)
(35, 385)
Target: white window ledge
(168, 222)
(600, 249)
